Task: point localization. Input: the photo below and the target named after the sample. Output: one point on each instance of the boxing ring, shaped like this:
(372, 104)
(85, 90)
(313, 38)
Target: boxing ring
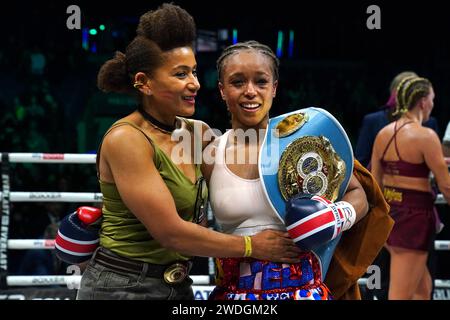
(203, 284)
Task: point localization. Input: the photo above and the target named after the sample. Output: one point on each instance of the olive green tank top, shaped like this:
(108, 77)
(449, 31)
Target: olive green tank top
(122, 233)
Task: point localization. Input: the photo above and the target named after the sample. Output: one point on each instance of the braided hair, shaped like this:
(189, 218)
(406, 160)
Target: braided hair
(248, 45)
(409, 91)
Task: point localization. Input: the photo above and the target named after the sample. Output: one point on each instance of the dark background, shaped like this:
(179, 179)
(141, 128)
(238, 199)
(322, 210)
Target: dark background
(337, 64)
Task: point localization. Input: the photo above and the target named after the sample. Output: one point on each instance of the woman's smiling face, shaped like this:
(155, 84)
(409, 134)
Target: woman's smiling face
(248, 87)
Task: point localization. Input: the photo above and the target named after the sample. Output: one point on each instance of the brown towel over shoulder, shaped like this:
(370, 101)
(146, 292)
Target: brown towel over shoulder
(360, 245)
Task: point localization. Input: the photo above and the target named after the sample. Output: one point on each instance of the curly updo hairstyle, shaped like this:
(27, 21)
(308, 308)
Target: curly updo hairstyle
(158, 31)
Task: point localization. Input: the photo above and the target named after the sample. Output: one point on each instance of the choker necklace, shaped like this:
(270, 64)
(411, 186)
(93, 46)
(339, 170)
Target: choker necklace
(165, 128)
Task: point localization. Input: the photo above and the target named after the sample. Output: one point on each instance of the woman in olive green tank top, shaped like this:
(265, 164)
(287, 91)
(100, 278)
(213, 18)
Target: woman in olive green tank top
(153, 190)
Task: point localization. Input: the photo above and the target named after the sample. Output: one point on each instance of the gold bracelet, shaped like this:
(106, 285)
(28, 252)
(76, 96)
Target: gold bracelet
(248, 246)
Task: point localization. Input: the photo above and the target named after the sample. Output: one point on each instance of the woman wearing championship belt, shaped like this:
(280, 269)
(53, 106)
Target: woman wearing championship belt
(153, 196)
(248, 79)
(403, 155)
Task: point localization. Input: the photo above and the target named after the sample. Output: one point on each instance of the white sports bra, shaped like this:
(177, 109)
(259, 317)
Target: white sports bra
(240, 205)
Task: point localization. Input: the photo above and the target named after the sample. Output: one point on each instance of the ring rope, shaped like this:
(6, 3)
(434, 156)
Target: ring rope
(50, 196)
(30, 244)
(438, 283)
(20, 157)
(22, 281)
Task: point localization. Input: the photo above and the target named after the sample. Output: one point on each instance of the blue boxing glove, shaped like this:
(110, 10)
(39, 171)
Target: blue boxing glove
(78, 235)
(312, 220)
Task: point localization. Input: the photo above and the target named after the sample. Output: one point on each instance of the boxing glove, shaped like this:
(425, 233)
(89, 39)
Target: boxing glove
(312, 220)
(78, 235)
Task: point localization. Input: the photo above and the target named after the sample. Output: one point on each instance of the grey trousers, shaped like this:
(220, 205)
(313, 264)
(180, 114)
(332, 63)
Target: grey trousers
(102, 283)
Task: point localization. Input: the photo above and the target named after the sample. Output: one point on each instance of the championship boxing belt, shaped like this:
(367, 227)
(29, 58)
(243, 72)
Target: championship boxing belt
(306, 152)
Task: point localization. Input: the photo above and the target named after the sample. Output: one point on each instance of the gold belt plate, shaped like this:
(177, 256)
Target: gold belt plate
(310, 165)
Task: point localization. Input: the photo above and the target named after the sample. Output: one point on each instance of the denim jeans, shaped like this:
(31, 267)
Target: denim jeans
(102, 283)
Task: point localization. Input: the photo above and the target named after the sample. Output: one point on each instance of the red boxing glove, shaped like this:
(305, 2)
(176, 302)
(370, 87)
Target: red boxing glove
(312, 220)
(89, 215)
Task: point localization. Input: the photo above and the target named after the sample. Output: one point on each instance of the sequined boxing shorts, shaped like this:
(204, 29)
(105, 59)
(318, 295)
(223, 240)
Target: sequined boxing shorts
(250, 279)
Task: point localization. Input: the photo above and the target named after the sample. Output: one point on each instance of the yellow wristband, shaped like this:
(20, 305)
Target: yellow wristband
(248, 246)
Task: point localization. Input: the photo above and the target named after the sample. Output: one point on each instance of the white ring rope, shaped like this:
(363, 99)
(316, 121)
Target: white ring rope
(437, 283)
(16, 157)
(51, 158)
(19, 196)
(50, 196)
(77, 158)
(29, 244)
(21, 281)
(442, 245)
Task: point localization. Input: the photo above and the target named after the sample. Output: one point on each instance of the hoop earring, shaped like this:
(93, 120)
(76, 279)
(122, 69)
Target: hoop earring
(138, 84)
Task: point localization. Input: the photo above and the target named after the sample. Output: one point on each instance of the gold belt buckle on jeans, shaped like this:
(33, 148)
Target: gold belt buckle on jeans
(175, 273)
